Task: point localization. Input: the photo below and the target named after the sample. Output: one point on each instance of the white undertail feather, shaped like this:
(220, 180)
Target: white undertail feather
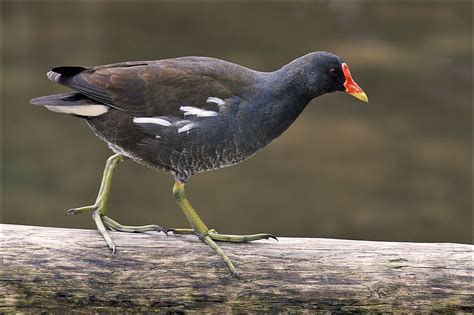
(80, 110)
(151, 120)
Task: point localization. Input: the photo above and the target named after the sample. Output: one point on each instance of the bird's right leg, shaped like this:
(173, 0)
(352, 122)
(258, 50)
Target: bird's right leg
(209, 236)
(99, 208)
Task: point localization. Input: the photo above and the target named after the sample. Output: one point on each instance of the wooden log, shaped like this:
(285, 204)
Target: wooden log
(58, 270)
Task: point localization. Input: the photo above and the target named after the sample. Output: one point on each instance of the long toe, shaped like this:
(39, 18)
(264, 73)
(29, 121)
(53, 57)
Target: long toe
(115, 226)
(74, 211)
(208, 240)
(241, 238)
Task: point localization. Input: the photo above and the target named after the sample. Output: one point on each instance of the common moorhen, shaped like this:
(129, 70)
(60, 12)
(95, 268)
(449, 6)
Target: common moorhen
(189, 115)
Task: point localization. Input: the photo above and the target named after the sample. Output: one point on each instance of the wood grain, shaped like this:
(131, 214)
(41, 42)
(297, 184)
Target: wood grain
(57, 270)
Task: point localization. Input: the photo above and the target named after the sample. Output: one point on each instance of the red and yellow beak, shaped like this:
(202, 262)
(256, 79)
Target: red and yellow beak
(351, 87)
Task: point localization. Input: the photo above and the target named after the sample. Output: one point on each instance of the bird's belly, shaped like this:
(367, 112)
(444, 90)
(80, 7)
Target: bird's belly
(199, 156)
(182, 158)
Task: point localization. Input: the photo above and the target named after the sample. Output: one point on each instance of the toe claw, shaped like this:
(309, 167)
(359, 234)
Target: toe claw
(71, 211)
(180, 231)
(74, 211)
(272, 236)
(160, 229)
(113, 248)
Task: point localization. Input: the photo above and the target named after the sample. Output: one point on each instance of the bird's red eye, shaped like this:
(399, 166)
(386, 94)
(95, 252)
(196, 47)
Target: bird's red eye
(332, 71)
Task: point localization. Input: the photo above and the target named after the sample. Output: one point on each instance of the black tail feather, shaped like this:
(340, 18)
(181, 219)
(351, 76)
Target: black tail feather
(68, 70)
(63, 73)
(63, 99)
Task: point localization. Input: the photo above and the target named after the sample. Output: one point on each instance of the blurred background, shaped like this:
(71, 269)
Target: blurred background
(398, 168)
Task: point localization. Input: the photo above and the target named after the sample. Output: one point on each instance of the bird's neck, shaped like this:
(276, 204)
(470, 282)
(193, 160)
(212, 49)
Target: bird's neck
(290, 92)
(291, 81)
(283, 100)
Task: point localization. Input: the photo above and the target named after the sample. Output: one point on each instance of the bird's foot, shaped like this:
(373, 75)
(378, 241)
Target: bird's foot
(214, 235)
(103, 223)
(211, 236)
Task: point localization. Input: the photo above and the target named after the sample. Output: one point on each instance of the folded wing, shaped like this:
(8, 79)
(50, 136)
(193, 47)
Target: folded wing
(147, 89)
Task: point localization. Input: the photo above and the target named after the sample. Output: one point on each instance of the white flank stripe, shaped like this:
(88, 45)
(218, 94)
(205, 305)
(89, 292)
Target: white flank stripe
(80, 110)
(151, 120)
(187, 127)
(216, 100)
(189, 110)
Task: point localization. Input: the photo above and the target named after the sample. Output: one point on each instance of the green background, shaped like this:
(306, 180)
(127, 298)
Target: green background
(398, 168)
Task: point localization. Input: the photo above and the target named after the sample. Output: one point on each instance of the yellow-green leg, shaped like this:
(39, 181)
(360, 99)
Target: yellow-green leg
(99, 208)
(209, 235)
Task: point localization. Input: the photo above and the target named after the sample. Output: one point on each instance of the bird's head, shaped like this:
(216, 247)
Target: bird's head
(327, 73)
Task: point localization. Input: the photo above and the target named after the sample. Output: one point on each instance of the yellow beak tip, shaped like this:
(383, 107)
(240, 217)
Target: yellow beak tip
(361, 96)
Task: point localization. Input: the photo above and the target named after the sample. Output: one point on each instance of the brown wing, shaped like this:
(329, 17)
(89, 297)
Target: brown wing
(155, 88)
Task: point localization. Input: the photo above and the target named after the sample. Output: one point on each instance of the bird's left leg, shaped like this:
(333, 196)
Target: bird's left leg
(208, 235)
(99, 208)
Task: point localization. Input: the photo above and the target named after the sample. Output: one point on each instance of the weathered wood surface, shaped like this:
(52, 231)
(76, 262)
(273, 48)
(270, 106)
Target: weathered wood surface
(53, 269)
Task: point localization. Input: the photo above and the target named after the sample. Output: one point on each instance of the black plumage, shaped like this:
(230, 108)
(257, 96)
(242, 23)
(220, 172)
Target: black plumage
(219, 113)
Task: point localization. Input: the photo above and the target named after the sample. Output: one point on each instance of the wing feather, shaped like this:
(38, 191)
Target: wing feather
(156, 88)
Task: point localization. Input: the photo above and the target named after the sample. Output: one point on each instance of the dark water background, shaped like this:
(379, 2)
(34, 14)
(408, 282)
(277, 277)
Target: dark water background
(398, 168)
